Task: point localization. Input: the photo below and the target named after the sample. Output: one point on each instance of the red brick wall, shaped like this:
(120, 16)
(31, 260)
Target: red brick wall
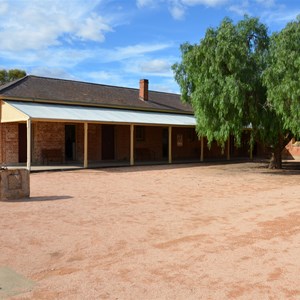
(51, 135)
(94, 142)
(79, 142)
(47, 135)
(1, 145)
(214, 151)
(122, 142)
(190, 148)
(244, 150)
(9, 143)
(151, 147)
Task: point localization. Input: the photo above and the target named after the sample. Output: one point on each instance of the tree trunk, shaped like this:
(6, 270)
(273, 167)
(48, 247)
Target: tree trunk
(276, 159)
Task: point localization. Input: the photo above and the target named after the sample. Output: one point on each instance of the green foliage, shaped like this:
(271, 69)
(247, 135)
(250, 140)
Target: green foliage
(11, 75)
(221, 78)
(282, 75)
(229, 74)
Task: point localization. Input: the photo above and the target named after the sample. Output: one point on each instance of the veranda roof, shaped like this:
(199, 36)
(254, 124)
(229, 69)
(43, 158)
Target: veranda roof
(13, 111)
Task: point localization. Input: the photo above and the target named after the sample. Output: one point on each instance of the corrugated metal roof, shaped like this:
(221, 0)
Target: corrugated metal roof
(44, 111)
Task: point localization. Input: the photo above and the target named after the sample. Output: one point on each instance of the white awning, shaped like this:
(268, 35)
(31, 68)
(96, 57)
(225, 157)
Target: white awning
(58, 112)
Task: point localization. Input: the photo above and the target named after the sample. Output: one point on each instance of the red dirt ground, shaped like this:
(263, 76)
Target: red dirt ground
(166, 232)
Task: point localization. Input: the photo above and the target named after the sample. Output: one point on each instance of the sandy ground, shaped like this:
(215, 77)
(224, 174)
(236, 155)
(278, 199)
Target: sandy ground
(165, 232)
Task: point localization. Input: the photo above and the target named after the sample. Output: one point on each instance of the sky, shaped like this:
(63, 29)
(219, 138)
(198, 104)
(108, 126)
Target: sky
(118, 42)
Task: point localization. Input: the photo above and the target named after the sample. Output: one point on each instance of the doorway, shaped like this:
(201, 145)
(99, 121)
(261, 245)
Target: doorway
(70, 142)
(108, 142)
(22, 143)
(165, 143)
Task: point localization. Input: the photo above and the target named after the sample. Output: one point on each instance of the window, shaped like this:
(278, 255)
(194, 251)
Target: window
(179, 140)
(140, 133)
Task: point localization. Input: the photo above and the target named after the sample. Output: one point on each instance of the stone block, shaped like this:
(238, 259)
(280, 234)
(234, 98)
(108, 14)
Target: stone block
(14, 184)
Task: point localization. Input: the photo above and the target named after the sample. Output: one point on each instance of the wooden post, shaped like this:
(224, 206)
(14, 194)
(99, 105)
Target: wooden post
(170, 144)
(131, 144)
(228, 149)
(202, 149)
(85, 151)
(29, 144)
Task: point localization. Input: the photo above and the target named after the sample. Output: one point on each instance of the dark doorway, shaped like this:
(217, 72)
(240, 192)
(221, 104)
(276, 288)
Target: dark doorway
(70, 142)
(108, 142)
(22, 143)
(165, 143)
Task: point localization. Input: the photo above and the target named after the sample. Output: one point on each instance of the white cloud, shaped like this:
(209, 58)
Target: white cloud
(122, 53)
(165, 85)
(281, 16)
(105, 77)
(211, 3)
(146, 3)
(266, 3)
(156, 66)
(3, 7)
(149, 67)
(93, 29)
(241, 8)
(51, 72)
(51, 57)
(176, 9)
(39, 24)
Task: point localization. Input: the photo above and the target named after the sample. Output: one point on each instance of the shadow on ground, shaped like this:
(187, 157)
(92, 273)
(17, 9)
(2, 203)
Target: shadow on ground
(46, 198)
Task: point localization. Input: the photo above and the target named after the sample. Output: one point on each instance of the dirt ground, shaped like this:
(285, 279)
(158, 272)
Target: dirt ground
(229, 231)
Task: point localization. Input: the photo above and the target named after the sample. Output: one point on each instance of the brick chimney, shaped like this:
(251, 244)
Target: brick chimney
(144, 89)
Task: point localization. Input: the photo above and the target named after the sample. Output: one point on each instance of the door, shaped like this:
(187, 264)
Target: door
(70, 142)
(22, 143)
(108, 142)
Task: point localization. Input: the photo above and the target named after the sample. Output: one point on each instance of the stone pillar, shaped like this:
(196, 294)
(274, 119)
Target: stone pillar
(14, 184)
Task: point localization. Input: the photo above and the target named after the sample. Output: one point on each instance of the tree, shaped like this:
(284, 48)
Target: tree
(11, 75)
(282, 75)
(221, 77)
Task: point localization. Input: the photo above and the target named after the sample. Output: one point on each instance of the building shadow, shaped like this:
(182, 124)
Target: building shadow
(43, 198)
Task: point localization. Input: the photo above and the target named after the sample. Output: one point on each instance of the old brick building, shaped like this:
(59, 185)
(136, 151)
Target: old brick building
(48, 121)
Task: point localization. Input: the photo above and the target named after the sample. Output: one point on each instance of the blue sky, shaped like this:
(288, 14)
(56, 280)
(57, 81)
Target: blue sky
(118, 42)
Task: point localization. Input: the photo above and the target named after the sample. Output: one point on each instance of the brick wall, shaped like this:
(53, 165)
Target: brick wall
(47, 135)
(244, 149)
(94, 142)
(79, 142)
(214, 151)
(1, 145)
(9, 143)
(150, 148)
(122, 142)
(185, 144)
(51, 135)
